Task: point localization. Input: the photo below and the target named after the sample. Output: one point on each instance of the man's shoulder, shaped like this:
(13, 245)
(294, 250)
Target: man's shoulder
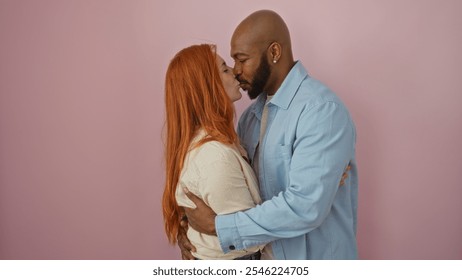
(313, 92)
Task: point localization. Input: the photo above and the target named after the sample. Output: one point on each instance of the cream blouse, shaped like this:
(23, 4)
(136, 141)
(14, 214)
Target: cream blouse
(219, 175)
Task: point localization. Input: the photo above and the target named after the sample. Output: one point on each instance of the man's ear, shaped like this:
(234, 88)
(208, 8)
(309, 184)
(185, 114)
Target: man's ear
(275, 50)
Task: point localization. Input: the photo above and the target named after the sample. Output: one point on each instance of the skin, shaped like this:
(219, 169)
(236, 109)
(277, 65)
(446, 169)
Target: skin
(228, 79)
(262, 37)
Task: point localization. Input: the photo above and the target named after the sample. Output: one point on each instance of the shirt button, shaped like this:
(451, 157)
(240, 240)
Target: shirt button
(232, 247)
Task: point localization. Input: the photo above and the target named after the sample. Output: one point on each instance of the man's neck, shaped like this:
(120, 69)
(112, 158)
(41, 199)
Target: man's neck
(279, 79)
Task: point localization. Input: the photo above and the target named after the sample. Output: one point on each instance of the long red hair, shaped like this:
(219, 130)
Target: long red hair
(194, 99)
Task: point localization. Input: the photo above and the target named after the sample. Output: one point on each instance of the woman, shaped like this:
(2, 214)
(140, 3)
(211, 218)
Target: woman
(202, 151)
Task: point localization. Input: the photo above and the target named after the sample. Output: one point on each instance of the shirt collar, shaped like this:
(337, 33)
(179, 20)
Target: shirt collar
(286, 92)
(259, 104)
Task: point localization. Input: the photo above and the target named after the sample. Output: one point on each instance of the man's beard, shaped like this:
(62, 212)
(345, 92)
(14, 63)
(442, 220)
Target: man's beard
(261, 78)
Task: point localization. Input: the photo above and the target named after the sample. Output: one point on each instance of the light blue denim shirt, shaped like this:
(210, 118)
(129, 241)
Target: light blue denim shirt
(309, 141)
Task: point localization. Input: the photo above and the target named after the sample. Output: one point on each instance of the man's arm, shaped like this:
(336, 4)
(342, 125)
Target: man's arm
(223, 187)
(201, 218)
(321, 154)
(183, 242)
(323, 147)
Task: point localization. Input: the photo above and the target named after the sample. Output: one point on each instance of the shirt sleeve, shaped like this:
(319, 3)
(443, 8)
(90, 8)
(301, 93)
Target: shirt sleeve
(323, 146)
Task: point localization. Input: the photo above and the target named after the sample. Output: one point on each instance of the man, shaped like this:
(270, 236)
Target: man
(300, 139)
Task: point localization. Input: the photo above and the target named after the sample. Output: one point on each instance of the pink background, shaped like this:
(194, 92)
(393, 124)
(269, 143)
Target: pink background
(81, 118)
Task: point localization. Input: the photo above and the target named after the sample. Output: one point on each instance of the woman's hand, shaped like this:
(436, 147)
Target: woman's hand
(344, 176)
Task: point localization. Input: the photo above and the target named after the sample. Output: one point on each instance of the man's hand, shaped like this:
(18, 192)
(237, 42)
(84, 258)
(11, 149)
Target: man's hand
(201, 218)
(183, 242)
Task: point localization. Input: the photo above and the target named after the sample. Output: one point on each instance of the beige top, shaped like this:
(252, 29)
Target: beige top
(220, 176)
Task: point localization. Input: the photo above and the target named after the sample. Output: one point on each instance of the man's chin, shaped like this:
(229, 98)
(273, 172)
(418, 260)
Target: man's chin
(253, 95)
(248, 89)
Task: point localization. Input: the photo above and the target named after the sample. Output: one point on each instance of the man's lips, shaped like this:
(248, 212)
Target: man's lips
(244, 86)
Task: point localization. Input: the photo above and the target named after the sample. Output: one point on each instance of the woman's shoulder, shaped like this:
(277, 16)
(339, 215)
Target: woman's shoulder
(212, 151)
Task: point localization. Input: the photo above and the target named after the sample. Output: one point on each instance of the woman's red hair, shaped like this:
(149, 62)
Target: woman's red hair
(194, 99)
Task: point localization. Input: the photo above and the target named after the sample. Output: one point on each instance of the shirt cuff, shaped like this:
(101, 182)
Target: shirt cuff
(227, 233)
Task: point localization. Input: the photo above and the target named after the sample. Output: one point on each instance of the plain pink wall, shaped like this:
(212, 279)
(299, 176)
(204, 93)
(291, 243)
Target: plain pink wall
(81, 118)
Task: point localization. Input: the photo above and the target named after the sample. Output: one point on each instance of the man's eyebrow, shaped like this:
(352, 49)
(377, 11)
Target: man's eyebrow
(240, 54)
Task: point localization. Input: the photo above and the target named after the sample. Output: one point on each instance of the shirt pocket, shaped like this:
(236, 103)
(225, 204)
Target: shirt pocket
(280, 152)
(285, 151)
(277, 165)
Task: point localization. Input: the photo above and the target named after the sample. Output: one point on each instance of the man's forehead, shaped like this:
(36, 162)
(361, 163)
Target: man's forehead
(240, 50)
(244, 46)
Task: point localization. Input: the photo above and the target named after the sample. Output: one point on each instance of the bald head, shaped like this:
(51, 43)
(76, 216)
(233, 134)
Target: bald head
(262, 52)
(262, 28)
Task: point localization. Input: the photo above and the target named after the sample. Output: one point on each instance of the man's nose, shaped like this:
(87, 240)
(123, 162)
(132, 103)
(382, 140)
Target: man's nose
(237, 70)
